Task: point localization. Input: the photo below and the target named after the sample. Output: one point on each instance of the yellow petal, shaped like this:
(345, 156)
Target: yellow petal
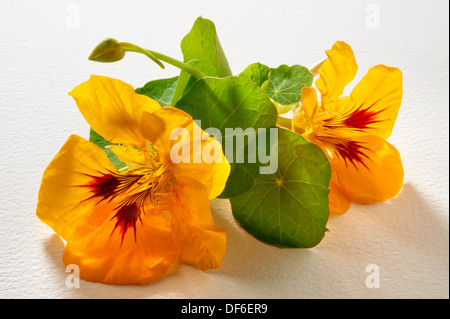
(376, 100)
(131, 156)
(377, 177)
(61, 203)
(309, 102)
(113, 109)
(336, 72)
(158, 126)
(102, 257)
(201, 243)
(299, 123)
(304, 116)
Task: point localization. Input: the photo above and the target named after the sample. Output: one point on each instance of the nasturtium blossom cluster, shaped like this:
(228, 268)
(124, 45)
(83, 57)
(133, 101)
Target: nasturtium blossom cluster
(128, 226)
(352, 130)
(129, 212)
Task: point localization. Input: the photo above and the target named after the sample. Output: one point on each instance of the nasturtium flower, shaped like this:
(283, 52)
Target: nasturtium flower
(128, 226)
(352, 130)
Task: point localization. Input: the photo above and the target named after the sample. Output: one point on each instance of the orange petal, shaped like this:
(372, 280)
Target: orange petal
(102, 257)
(158, 126)
(201, 243)
(113, 109)
(61, 204)
(102, 253)
(336, 72)
(376, 100)
(378, 177)
(339, 203)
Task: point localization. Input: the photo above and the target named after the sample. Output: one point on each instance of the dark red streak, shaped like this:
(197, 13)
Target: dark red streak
(108, 186)
(363, 118)
(346, 149)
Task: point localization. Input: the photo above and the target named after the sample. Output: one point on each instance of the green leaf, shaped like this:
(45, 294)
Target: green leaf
(202, 44)
(201, 49)
(185, 82)
(231, 103)
(283, 84)
(256, 72)
(290, 207)
(286, 83)
(160, 90)
(98, 140)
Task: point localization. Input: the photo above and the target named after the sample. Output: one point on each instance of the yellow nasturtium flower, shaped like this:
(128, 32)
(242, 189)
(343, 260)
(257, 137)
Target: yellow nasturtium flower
(129, 226)
(352, 130)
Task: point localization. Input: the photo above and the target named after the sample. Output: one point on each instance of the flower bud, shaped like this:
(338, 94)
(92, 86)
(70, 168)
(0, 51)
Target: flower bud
(107, 51)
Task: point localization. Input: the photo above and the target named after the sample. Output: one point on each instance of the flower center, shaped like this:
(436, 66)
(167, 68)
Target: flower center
(334, 132)
(134, 191)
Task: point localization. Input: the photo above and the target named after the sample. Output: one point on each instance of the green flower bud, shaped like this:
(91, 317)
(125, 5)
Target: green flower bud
(107, 51)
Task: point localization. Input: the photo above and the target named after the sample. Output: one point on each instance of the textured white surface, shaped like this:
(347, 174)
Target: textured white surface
(43, 55)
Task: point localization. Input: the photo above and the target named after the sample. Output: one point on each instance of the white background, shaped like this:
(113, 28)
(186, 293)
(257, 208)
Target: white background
(43, 55)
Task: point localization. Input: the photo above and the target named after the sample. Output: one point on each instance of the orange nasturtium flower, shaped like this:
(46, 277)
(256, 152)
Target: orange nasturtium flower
(129, 226)
(352, 130)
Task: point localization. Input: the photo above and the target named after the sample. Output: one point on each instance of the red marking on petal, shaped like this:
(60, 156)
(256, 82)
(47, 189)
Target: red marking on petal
(346, 149)
(129, 211)
(111, 185)
(363, 118)
(126, 216)
(132, 192)
(103, 186)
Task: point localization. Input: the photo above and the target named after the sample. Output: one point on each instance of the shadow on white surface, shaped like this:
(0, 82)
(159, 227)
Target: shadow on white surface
(406, 237)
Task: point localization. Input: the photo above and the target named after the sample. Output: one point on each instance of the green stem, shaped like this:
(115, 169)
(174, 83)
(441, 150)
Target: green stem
(156, 56)
(181, 65)
(134, 48)
(284, 122)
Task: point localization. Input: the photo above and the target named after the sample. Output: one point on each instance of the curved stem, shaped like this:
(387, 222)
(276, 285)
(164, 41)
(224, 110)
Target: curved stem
(134, 48)
(156, 56)
(181, 65)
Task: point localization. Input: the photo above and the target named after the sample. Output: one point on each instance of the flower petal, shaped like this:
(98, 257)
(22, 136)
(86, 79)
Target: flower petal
(87, 223)
(376, 100)
(201, 243)
(61, 204)
(102, 256)
(113, 109)
(158, 126)
(378, 177)
(339, 202)
(336, 72)
(129, 155)
(304, 116)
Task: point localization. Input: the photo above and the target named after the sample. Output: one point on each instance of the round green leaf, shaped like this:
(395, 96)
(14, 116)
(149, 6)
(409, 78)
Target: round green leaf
(286, 83)
(290, 207)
